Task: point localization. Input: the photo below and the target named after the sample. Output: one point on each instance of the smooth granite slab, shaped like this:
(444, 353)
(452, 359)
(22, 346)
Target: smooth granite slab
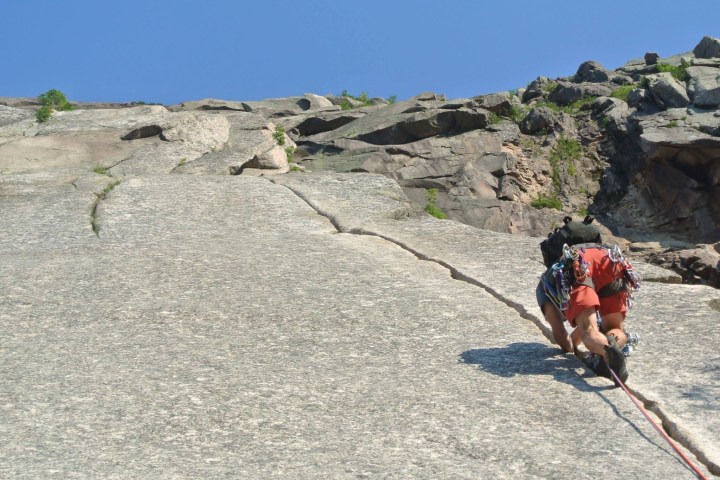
(675, 369)
(220, 327)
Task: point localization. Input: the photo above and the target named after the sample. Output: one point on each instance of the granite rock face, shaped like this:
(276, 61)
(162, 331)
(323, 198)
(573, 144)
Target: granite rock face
(175, 301)
(151, 342)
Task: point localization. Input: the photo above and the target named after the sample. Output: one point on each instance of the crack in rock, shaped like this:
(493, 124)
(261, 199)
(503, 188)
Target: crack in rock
(670, 426)
(100, 197)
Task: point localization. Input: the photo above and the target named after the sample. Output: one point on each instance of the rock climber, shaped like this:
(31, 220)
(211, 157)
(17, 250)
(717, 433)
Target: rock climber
(590, 280)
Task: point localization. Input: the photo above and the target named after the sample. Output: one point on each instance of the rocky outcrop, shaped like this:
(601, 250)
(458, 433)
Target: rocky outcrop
(708, 47)
(636, 146)
(565, 93)
(667, 91)
(704, 86)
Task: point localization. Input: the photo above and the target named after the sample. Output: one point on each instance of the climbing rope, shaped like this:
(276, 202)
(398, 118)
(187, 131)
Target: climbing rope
(662, 432)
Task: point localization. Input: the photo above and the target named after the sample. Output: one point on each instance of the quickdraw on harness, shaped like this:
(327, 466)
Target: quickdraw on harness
(572, 269)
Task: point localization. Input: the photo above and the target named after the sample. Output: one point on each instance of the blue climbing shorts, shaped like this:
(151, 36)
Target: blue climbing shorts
(541, 296)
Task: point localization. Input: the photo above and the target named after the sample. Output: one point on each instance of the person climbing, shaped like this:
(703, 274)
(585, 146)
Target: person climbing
(591, 286)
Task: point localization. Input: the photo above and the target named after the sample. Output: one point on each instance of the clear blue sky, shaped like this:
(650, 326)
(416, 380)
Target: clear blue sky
(170, 51)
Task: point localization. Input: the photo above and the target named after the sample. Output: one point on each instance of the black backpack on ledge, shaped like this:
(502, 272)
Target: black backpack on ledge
(572, 233)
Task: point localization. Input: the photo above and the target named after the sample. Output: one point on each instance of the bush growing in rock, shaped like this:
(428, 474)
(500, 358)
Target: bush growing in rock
(51, 101)
(561, 160)
(679, 72)
(290, 152)
(362, 98)
(431, 208)
(571, 109)
(547, 201)
(279, 135)
(43, 114)
(623, 93)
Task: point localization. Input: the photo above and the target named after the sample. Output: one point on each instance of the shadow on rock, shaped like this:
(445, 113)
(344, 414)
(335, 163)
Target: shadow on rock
(525, 358)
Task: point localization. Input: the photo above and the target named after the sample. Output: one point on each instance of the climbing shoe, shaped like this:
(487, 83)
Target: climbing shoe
(597, 364)
(616, 359)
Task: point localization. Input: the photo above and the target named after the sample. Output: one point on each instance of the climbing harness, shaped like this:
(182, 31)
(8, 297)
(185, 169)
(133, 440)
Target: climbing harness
(662, 432)
(572, 269)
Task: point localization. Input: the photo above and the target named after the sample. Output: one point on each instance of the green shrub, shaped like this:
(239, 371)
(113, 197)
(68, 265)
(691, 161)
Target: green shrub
(572, 109)
(623, 92)
(392, 99)
(279, 135)
(430, 207)
(43, 114)
(494, 118)
(547, 201)
(54, 99)
(517, 113)
(567, 149)
(564, 153)
(363, 98)
(672, 124)
(290, 152)
(51, 101)
(578, 105)
(679, 71)
(101, 170)
(550, 87)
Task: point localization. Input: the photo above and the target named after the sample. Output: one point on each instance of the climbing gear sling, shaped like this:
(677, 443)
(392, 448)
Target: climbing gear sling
(572, 269)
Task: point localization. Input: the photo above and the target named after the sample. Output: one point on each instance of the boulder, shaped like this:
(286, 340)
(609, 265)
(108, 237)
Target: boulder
(196, 131)
(429, 96)
(273, 161)
(704, 86)
(566, 93)
(250, 140)
(535, 89)
(651, 58)
(405, 122)
(709, 47)
(498, 103)
(638, 96)
(319, 122)
(620, 79)
(614, 112)
(704, 263)
(182, 137)
(591, 72)
(539, 119)
(313, 102)
(667, 91)
(289, 106)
